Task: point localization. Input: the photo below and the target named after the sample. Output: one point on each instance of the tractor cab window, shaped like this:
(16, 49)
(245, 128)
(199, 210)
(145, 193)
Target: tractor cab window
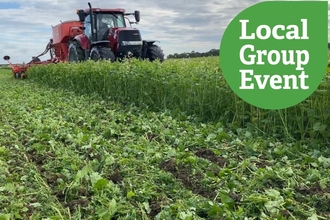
(112, 20)
(107, 21)
(88, 27)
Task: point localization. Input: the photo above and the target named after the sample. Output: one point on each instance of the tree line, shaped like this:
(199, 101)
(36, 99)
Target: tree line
(192, 54)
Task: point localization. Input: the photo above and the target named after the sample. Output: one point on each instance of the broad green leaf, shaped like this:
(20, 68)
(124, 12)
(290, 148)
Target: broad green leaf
(130, 194)
(100, 184)
(226, 199)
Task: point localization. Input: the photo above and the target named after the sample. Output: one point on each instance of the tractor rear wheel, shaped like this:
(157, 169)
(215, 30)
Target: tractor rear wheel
(35, 59)
(154, 52)
(76, 53)
(102, 53)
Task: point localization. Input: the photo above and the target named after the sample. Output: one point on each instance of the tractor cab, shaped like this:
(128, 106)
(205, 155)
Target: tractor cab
(103, 22)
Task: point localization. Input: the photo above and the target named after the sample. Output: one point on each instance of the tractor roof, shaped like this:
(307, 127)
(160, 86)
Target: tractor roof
(104, 10)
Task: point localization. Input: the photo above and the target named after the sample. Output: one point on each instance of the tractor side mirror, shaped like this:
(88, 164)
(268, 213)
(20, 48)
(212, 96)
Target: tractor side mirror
(137, 16)
(81, 15)
(6, 58)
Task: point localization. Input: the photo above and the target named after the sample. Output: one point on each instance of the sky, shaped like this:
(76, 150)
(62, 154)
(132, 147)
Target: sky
(179, 25)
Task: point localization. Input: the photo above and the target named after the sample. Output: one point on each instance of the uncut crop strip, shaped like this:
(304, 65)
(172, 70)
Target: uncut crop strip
(194, 86)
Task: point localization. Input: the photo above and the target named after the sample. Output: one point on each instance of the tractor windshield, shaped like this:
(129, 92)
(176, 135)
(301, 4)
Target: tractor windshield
(111, 19)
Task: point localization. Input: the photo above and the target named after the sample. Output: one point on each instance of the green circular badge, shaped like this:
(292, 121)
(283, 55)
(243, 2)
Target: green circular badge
(274, 54)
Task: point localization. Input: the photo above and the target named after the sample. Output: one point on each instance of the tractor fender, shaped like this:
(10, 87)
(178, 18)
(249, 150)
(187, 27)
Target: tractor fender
(149, 42)
(146, 44)
(83, 41)
(103, 43)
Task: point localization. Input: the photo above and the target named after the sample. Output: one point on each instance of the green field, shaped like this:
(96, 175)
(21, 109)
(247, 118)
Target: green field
(142, 140)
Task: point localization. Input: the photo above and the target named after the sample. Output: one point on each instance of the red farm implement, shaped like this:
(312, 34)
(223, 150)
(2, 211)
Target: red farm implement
(19, 70)
(98, 34)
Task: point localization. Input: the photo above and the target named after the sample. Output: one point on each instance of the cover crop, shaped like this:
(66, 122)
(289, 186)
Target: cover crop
(194, 86)
(69, 156)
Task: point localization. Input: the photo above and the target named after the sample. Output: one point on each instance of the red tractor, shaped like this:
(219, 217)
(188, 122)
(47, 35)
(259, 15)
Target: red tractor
(98, 34)
(106, 35)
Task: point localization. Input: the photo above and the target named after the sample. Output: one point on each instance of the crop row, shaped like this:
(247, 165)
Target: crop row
(195, 86)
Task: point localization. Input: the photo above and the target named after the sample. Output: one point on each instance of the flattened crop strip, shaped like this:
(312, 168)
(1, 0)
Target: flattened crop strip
(70, 156)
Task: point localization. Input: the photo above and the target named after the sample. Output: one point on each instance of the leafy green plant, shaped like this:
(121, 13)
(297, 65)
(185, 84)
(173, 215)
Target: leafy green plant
(76, 150)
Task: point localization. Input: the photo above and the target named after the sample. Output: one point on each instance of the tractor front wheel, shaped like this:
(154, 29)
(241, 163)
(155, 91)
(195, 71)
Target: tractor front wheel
(154, 52)
(76, 53)
(102, 53)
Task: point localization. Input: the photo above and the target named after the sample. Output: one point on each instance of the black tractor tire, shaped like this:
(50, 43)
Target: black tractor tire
(154, 52)
(35, 59)
(18, 75)
(75, 53)
(102, 53)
